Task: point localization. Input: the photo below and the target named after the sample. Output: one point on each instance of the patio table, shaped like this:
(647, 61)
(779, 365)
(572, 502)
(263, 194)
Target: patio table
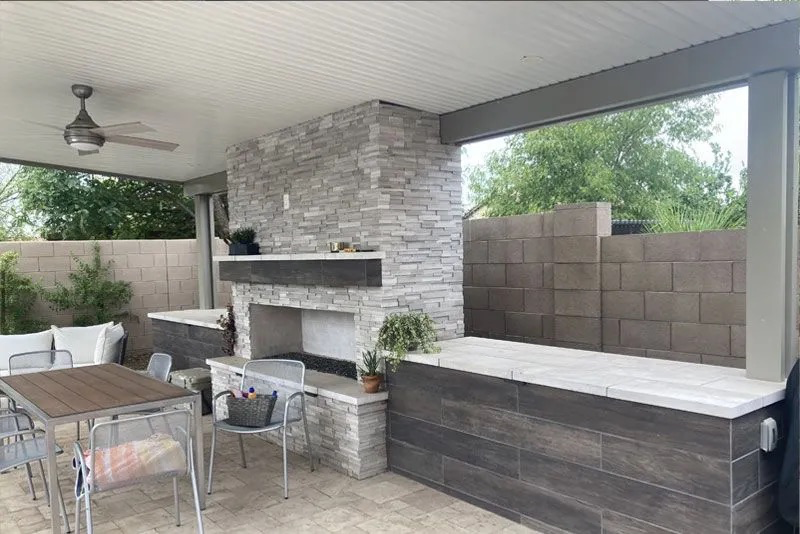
(68, 395)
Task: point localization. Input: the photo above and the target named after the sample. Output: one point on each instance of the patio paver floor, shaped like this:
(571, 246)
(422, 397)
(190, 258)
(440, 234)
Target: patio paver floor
(250, 500)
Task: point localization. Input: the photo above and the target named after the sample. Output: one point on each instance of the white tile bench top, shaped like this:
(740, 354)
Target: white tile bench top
(691, 387)
(336, 387)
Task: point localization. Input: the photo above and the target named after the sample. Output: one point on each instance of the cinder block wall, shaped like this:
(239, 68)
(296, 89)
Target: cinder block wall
(162, 273)
(560, 278)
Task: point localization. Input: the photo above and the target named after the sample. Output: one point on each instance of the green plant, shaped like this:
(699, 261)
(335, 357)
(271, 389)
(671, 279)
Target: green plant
(676, 218)
(243, 236)
(17, 296)
(401, 332)
(93, 296)
(228, 324)
(370, 363)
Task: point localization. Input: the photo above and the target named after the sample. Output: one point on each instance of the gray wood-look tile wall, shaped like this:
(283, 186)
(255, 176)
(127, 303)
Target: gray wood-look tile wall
(566, 462)
(189, 345)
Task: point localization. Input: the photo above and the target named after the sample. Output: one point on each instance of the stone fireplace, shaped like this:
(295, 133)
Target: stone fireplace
(375, 174)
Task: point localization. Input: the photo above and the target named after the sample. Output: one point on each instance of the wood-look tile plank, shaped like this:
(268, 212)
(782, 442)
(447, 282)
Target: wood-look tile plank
(76, 401)
(120, 396)
(128, 384)
(165, 389)
(70, 381)
(38, 397)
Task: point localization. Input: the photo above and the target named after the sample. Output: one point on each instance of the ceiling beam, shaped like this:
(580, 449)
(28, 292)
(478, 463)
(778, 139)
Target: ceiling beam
(82, 170)
(209, 184)
(702, 68)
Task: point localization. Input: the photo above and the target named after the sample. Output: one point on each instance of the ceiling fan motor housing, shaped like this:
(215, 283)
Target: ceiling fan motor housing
(79, 130)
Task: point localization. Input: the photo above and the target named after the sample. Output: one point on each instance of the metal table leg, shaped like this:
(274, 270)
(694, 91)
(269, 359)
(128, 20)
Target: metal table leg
(199, 456)
(52, 475)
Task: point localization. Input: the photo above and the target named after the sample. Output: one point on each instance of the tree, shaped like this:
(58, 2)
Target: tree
(70, 205)
(633, 159)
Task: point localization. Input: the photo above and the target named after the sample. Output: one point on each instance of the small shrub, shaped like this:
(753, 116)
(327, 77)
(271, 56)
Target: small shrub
(370, 363)
(244, 236)
(402, 332)
(18, 294)
(672, 218)
(93, 296)
(228, 324)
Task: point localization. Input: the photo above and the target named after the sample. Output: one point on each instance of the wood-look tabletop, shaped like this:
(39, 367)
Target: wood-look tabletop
(69, 392)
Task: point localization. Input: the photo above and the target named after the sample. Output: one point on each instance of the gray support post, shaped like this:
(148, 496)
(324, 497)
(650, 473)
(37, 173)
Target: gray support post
(771, 226)
(204, 226)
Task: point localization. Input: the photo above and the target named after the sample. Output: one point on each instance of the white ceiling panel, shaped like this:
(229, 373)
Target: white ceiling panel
(210, 74)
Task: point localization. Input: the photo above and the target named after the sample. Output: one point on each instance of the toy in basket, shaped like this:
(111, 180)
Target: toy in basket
(248, 408)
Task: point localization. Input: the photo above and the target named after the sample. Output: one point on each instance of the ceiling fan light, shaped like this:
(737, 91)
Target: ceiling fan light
(84, 145)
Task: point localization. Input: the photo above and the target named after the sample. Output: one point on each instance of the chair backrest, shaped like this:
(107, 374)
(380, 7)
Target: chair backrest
(268, 375)
(39, 360)
(159, 366)
(129, 451)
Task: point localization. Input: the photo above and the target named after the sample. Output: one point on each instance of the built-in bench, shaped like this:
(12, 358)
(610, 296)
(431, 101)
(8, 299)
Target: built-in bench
(347, 426)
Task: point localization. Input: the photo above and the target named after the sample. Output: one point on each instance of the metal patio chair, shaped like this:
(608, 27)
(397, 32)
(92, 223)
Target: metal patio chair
(26, 447)
(287, 377)
(159, 366)
(40, 360)
(140, 450)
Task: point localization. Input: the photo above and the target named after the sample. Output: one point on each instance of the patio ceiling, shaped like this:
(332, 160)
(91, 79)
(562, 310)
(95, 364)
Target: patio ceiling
(208, 75)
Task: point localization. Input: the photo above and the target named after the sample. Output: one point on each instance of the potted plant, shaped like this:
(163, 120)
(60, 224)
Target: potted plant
(243, 242)
(404, 332)
(370, 371)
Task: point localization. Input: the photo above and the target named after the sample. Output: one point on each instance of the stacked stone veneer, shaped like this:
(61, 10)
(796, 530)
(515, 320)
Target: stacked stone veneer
(561, 278)
(345, 436)
(374, 174)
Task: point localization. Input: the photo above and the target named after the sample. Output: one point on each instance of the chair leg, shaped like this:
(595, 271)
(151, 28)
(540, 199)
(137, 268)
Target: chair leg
(211, 458)
(78, 514)
(196, 491)
(89, 524)
(177, 502)
(44, 482)
(285, 465)
(63, 506)
(78, 430)
(241, 450)
(308, 436)
(30, 481)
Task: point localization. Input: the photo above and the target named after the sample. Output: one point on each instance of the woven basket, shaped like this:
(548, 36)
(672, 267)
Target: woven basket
(250, 412)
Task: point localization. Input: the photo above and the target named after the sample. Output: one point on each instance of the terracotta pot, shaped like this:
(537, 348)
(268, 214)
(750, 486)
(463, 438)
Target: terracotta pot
(372, 383)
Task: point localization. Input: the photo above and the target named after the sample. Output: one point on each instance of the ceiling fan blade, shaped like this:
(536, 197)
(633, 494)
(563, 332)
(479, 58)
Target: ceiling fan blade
(52, 127)
(144, 143)
(124, 128)
(87, 152)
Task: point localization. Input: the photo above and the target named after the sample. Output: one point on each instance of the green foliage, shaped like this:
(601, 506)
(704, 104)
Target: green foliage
(632, 159)
(71, 205)
(17, 296)
(93, 296)
(228, 324)
(402, 332)
(370, 363)
(243, 236)
(672, 218)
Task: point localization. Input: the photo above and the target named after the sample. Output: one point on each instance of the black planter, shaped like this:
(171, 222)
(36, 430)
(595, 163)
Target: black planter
(243, 249)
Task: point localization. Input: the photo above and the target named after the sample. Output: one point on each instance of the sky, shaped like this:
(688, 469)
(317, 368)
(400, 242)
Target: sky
(731, 122)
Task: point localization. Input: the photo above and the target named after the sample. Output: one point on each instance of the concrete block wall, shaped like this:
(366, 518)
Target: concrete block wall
(162, 274)
(560, 278)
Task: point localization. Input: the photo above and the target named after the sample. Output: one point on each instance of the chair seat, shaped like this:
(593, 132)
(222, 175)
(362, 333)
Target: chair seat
(23, 452)
(225, 426)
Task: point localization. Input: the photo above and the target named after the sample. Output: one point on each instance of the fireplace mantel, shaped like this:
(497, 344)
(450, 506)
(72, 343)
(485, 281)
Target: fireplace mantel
(344, 269)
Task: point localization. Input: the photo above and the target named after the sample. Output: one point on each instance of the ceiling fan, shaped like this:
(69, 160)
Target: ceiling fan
(84, 135)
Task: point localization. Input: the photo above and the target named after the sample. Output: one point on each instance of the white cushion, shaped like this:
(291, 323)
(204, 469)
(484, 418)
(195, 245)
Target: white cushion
(81, 341)
(14, 344)
(108, 344)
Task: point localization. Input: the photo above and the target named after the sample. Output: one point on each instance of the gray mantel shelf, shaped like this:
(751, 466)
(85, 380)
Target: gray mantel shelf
(344, 269)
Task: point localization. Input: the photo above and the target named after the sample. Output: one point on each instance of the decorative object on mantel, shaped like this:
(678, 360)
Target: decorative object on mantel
(370, 371)
(336, 246)
(243, 242)
(228, 324)
(404, 332)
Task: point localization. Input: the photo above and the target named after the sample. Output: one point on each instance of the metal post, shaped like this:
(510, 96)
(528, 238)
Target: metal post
(204, 225)
(771, 226)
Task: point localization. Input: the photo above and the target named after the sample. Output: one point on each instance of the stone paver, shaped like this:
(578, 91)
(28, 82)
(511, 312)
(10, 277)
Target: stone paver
(251, 500)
